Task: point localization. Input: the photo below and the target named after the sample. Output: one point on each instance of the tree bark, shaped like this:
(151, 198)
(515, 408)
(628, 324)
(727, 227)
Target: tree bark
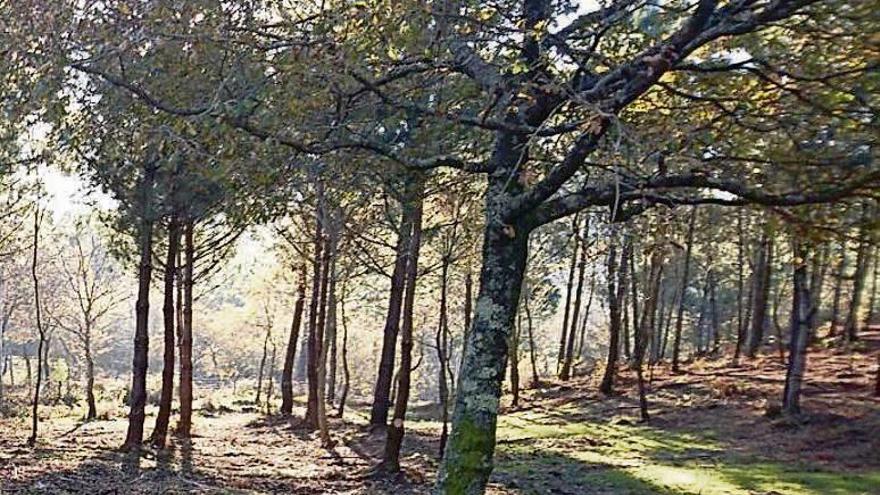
(740, 285)
(92, 412)
(467, 462)
(311, 416)
(838, 290)
(646, 327)
(872, 300)
(394, 439)
(138, 394)
(185, 390)
(800, 329)
(441, 340)
(532, 348)
(263, 359)
(569, 286)
(38, 217)
(616, 292)
(290, 354)
(160, 432)
(565, 373)
(761, 294)
(682, 293)
(382, 390)
(851, 326)
(346, 374)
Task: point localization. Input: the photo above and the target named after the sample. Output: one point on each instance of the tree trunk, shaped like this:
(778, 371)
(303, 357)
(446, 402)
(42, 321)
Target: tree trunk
(92, 412)
(616, 292)
(647, 324)
(161, 430)
(761, 294)
(263, 359)
(185, 390)
(441, 340)
(467, 462)
(394, 439)
(800, 328)
(872, 300)
(682, 293)
(290, 354)
(38, 217)
(331, 334)
(740, 285)
(565, 373)
(270, 383)
(563, 338)
(851, 326)
(138, 394)
(514, 362)
(838, 290)
(346, 374)
(818, 270)
(323, 338)
(382, 390)
(532, 348)
(311, 417)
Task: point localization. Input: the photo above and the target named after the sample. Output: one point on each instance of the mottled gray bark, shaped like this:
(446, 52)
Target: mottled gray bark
(800, 329)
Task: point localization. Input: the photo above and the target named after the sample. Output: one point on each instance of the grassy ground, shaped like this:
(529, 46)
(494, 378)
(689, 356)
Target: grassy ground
(712, 432)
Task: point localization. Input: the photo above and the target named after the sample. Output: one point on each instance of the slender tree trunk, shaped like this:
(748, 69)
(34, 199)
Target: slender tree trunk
(569, 286)
(565, 373)
(382, 390)
(715, 334)
(160, 432)
(442, 342)
(647, 324)
(800, 321)
(514, 362)
(394, 439)
(818, 271)
(346, 374)
(838, 290)
(532, 348)
(872, 301)
(685, 276)
(616, 292)
(290, 354)
(324, 336)
(740, 279)
(270, 385)
(851, 325)
(138, 394)
(311, 417)
(263, 359)
(624, 326)
(185, 389)
(90, 384)
(761, 294)
(634, 299)
(331, 334)
(38, 218)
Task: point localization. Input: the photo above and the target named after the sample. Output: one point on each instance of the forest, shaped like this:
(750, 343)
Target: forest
(440, 246)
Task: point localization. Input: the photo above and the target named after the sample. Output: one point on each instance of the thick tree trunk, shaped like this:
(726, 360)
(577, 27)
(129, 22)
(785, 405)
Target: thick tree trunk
(290, 354)
(565, 373)
(763, 270)
(185, 390)
(682, 293)
(160, 432)
(394, 440)
(467, 462)
(138, 394)
(800, 329)
(569, 286)
(382, 390)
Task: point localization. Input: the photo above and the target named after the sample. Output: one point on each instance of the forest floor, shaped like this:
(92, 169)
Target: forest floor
(713, 431)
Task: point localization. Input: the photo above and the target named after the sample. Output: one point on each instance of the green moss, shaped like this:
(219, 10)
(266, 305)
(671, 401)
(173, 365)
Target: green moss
(467, 458)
